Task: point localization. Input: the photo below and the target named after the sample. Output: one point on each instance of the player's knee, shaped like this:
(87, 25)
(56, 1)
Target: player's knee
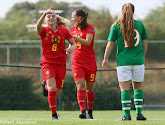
(89, 89)
(81, 86)
(52, 88)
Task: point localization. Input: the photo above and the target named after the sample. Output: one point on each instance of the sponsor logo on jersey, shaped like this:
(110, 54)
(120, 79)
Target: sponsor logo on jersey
(91, 30)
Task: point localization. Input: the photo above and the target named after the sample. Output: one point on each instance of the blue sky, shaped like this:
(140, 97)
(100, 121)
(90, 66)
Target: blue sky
(142, 7)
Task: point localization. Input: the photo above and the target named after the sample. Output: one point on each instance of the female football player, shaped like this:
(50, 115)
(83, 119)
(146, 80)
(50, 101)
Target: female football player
(131, 40)
(83, 61)
(53, 63)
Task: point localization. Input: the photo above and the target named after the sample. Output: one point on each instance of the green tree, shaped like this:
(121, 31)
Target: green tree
(13, 26)
(45, 4)
(154, 23)
(102, 21)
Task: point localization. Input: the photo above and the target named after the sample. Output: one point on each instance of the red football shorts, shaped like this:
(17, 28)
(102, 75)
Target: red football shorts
(80, 72)
(57, 71)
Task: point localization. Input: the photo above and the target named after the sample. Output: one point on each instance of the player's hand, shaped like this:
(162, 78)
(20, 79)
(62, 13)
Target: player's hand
(74, 36)
(49, 11)
(105, 64)
(69, 50)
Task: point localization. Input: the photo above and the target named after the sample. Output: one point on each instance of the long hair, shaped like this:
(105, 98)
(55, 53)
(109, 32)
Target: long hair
(83, 22)
(63, 22)
(127, 23)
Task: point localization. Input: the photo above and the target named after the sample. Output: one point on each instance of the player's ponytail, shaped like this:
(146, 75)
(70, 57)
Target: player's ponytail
(127, 23)
(83, 22)
(62, 21)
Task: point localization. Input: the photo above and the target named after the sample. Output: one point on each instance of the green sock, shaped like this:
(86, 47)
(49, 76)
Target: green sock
(126, 102)
(138, 100)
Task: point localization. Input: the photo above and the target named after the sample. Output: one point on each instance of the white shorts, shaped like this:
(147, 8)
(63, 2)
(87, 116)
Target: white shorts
(134, 73)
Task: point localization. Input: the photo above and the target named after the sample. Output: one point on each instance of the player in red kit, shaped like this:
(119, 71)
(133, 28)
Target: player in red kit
(53, 63)
(83, 61)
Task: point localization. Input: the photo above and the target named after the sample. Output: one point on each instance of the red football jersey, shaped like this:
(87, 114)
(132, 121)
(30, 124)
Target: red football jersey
(83, 54)
(53, 45)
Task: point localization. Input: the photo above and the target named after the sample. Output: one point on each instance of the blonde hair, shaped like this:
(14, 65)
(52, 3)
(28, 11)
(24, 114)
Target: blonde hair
(63, 22)
(127, 23)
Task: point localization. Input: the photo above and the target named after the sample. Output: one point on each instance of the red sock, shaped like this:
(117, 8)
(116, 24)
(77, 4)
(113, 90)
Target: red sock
(46, 87)
(52, 101)
(81, 99)
(90, 99)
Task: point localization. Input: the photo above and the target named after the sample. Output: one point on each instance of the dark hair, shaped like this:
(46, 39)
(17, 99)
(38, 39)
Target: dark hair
(83, 22)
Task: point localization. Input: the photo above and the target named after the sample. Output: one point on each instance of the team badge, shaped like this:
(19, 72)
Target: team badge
(75, 74)
(47, 72)
(55, 39)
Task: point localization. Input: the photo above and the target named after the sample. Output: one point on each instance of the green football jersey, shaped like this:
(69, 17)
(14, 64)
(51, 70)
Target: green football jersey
(126, 55)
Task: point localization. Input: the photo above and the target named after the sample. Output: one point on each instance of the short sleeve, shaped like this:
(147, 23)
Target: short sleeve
(144, 34)
(42, 33)
(113, 34)
(67, 34)
(90, 30)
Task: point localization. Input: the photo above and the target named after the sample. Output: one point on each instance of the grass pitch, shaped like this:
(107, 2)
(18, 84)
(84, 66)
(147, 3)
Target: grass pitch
(71, 118)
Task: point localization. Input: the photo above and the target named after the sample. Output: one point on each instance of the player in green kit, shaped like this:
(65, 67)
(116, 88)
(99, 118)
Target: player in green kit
(131, 38)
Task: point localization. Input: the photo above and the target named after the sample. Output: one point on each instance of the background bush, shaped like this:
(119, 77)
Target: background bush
(107, 95)
(20, 92)
(17, 94)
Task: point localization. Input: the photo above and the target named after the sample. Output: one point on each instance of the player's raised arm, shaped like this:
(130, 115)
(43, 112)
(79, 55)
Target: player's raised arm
(41, 19)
